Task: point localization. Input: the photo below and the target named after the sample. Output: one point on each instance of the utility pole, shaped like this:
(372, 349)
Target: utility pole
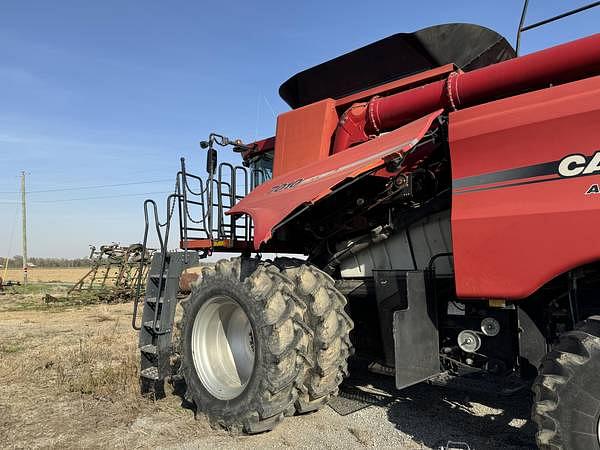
(24, 211)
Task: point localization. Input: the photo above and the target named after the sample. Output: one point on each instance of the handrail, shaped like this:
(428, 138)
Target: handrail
(163, 242)
(228, 193)
(523, 27)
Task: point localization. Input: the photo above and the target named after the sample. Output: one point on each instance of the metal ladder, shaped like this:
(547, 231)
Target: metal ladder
(160, 301)
(162, 285)
(158, 317)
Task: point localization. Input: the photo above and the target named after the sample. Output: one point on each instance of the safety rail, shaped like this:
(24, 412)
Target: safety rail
(163, 241)
(201, 206)
(522, 27)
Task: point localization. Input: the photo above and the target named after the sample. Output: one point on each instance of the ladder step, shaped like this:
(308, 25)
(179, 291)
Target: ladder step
(152, 300)
(158, 276)
(150, 325)
(149, 348)
(151, 373)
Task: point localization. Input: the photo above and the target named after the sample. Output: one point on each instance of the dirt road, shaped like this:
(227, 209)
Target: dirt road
(68, 378)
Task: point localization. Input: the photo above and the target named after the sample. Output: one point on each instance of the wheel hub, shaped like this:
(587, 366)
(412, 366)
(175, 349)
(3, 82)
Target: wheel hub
(223, 347)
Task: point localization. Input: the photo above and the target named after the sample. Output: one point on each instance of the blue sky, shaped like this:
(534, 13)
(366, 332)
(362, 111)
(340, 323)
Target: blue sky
(109, 92)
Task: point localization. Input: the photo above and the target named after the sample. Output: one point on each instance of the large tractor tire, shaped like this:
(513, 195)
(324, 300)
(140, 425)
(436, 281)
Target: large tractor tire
(242, 346)
(329, 343)
(567, 391)
(257, 347)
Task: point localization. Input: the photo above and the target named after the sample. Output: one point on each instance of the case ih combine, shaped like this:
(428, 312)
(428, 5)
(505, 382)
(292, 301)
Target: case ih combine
(443, 192)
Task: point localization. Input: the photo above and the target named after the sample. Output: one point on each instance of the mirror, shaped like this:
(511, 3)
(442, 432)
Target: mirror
(211, 161)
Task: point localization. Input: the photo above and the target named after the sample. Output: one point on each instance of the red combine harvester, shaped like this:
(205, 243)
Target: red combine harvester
(443, 192)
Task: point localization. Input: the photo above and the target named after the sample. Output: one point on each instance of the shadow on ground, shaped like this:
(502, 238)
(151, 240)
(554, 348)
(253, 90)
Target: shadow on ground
(480, 420)
(435, 415)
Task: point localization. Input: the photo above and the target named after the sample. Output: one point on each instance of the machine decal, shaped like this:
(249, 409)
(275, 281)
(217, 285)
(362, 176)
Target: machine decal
(573, 165)
(284, 186)
(593, 189)
(385, 153)
(577, 164)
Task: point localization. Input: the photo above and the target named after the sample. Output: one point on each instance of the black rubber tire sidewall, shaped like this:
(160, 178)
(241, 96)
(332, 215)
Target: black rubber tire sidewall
(567, 405)
(205, 401)
(575, 401)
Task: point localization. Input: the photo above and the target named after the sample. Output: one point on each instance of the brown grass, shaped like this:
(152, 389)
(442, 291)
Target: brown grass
(99, 366)
(45, 275)
(69, 378)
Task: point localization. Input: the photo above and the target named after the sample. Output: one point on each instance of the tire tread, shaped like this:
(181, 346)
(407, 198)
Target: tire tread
(573, 351)
(326, 364)
(284, 349)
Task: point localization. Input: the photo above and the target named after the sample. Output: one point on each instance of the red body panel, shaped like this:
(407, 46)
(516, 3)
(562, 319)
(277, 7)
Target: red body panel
(304, 136)
(516, 224)
(273, 201)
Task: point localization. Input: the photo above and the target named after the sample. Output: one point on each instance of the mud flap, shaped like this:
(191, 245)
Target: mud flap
(416, 338)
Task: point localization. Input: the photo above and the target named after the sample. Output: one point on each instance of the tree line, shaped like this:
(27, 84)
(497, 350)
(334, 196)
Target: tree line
(16, 262)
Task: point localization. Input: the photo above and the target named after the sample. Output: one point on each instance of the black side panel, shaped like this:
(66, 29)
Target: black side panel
(391, 293)
(532, 343)
(465, 45)
(415, 334)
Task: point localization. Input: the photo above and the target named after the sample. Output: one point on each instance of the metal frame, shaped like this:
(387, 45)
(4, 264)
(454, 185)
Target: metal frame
(163, 241)
(114, 269)
(213, 198)
(523, 27)
(208, 228)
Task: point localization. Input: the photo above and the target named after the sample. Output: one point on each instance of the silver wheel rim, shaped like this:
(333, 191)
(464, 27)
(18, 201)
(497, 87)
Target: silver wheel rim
(599, 431)
(223, 347)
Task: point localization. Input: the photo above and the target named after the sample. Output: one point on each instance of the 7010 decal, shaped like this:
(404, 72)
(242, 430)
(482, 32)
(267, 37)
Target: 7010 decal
(285, 186)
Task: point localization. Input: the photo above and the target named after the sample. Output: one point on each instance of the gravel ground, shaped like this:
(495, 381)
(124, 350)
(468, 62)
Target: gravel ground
(421, 417)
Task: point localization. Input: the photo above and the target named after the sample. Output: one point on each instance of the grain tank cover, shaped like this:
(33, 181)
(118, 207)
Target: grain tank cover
(467, 46)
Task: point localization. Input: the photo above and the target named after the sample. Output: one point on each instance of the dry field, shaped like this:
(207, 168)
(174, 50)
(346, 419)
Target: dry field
(48, 275)
(68, 379)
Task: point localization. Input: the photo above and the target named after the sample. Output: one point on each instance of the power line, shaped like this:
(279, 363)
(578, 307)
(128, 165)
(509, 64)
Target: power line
(99, 197)
(89, 187)
(87, 198)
